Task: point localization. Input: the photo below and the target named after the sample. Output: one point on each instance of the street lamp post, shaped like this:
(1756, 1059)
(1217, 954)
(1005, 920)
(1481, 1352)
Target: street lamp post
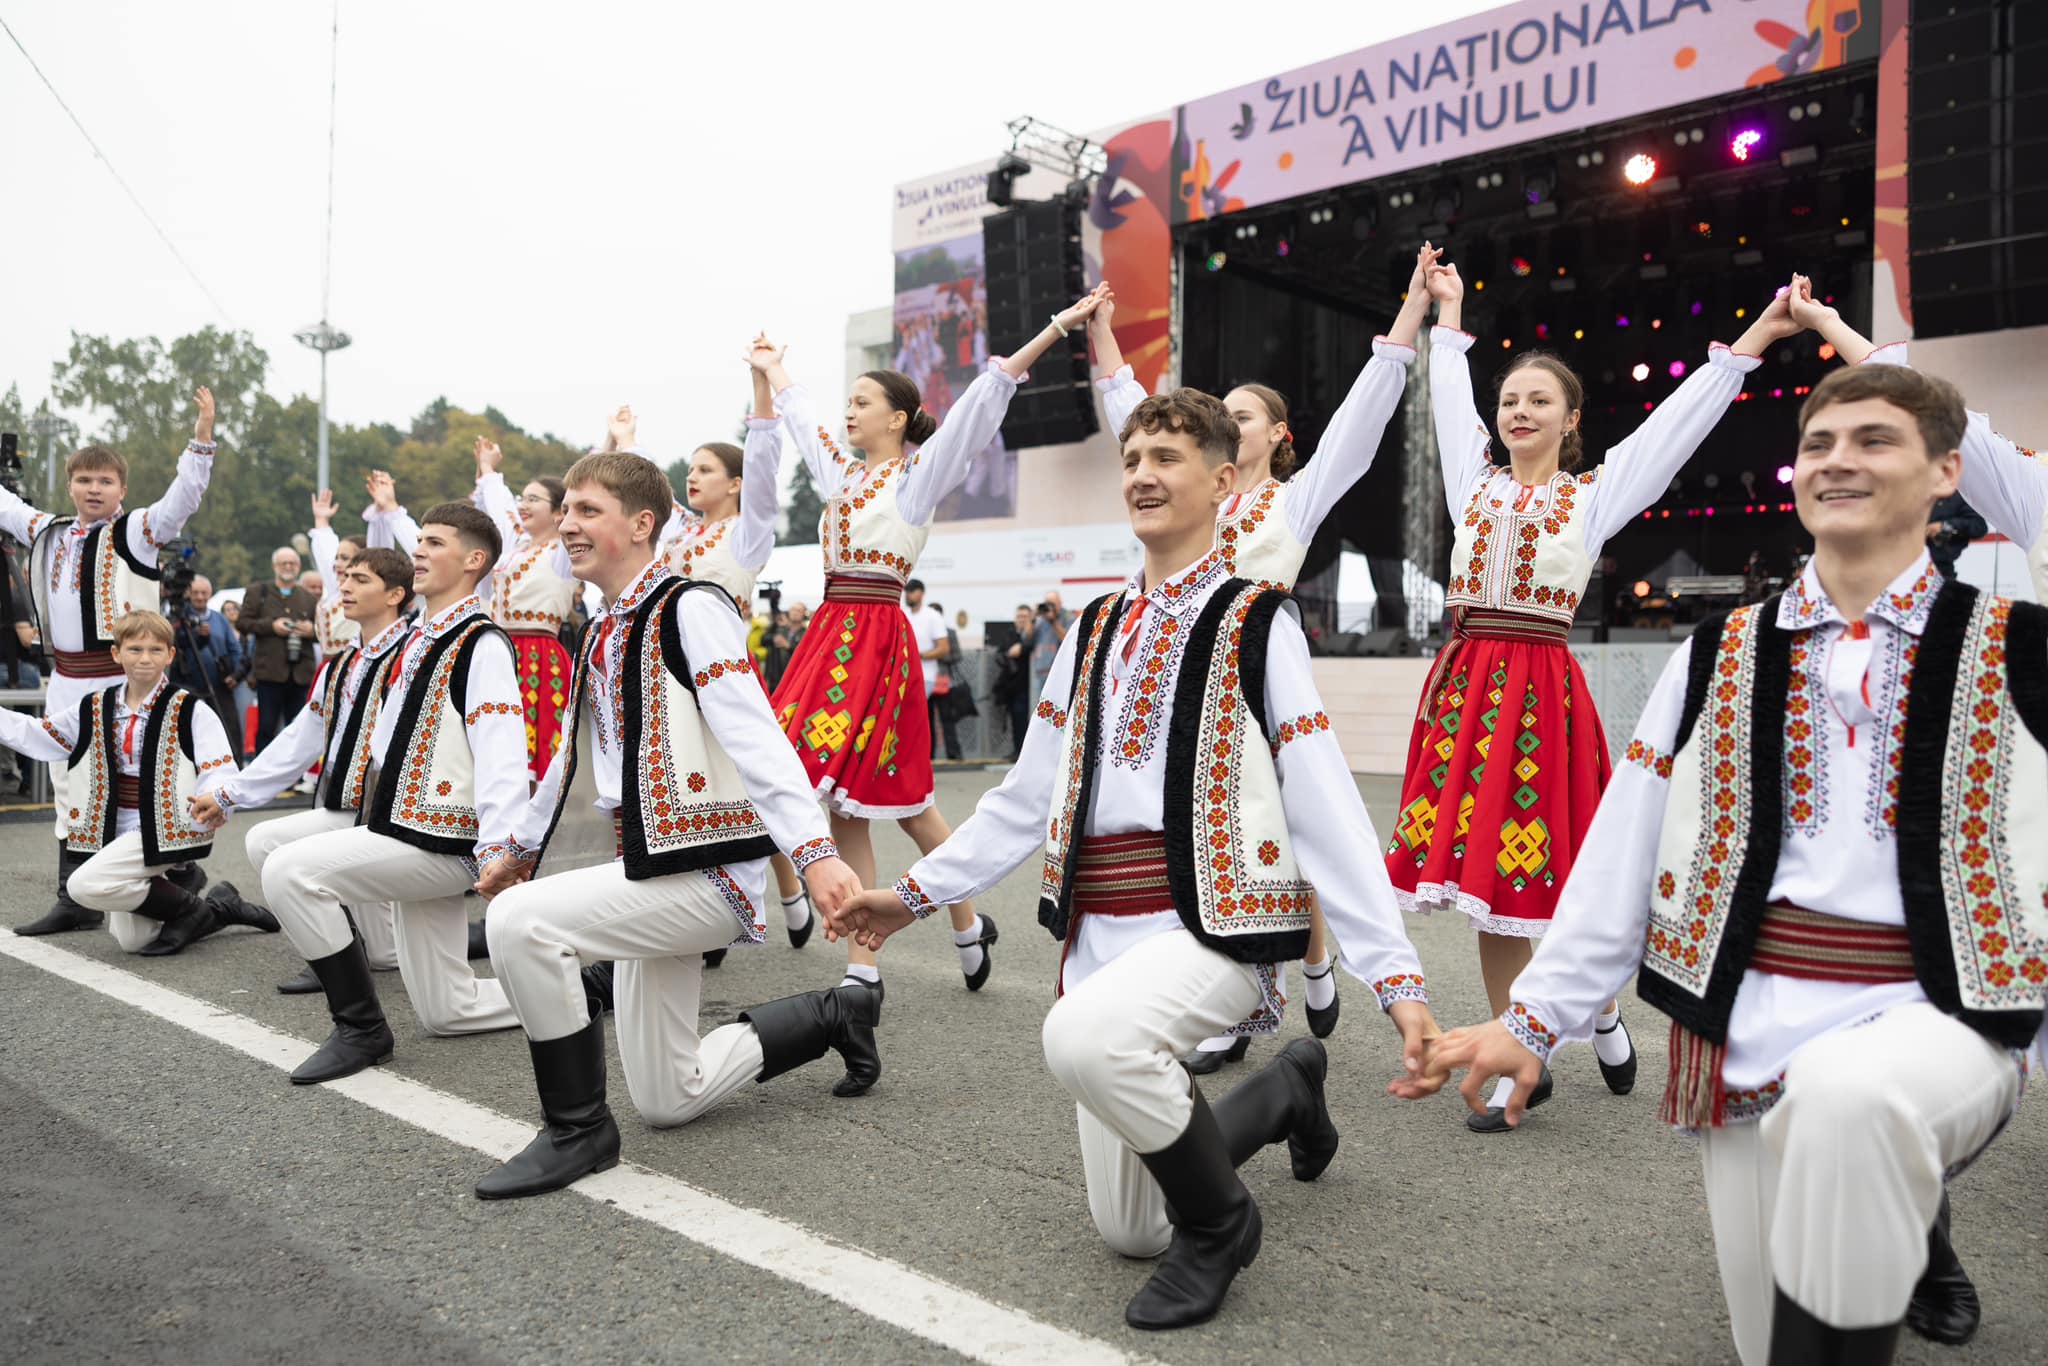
(49, 426)
(322, 338)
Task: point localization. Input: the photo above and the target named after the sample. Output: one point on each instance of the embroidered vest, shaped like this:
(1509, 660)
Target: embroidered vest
(1972, 853)
(333, 629)
(1229, 861)
(683, 805)
(705, 556)
(864, 532)
(111, 580)
(341, 785)
(426, 791)
(1256, 541)
(1533, 562)
(168, 774)
(530, 594)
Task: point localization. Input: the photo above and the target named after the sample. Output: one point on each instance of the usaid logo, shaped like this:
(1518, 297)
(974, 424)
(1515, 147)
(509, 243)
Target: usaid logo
(1041, 559)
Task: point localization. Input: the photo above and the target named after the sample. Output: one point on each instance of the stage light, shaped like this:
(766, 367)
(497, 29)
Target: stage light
(1697, 308)
(1643, 585)
(1621, 320)
(1796, 113)
(1677, 371)
(1813, 109)
(1578, 334)
(1216, 260)
(1784, 474)
(1002, 180)
(1507, 343)
(1639, 169)
(1827, 350)
(1742, 313)
(1703, 228)
(1280, 248)
(1745, 142)
(1520, 266)
(1640, 373)
(1542, 331)
(1656, 323)
(1479, 284)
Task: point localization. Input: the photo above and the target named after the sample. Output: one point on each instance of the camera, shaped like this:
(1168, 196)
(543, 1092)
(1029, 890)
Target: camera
(1046, 609)
(10, 464)
(177, 564)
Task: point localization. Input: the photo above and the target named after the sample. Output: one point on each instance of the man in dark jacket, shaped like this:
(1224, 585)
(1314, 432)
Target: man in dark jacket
(1954, 525)
(278, 618)
(209, 658)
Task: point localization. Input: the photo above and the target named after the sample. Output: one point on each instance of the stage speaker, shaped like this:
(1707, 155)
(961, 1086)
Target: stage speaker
(1976, 182)
(1034, 264)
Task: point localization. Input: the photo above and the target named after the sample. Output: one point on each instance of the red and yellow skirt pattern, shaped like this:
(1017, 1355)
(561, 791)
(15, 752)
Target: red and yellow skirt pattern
(544, 668)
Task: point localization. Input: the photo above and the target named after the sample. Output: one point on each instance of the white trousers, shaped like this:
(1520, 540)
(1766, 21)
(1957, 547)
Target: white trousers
(1114, 1042)
(374, 919)
(307, 882)
(60, 799)
(116, 880)
(1830, 1196)
(657, 932)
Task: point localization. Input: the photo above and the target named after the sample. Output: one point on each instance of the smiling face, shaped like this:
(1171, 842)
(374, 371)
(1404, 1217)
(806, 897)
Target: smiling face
(97, 493)
(1170, 490)
(600, 536)
(538, 516)
(1534, 413)
(711, 489)
(1864, 476)
(442, 567)
(284, 567)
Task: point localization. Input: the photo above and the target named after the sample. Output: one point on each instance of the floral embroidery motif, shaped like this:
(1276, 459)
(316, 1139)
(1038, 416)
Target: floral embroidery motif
(810, 851)
(530, 566)
(1255, 541)
(1061, 824)
(720, 668)
(1529, 1029)
(1806, 755)
(1645, 757)
(222, 762)
(913, 897)
(1315, 722)
(1889, 698)
(1500, 540)
(1401, 986)
(1141, 719)
(1049, 713)
(484, 709)
(1740, 1107)
(1269, 853)
(695, 782)
(837, 524)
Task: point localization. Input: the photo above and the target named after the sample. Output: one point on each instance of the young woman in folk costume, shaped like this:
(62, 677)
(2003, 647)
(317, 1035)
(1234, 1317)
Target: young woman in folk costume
(1508, 760)
(852, 700)
(532, 594)
(1265, 529)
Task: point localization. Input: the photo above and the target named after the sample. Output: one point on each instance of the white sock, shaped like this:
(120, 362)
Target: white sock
(861, 974)
(796, 910)
(968, 942)
(1322, 983)
(1613, 1046)
(1222, 1043)
(1502, 1089)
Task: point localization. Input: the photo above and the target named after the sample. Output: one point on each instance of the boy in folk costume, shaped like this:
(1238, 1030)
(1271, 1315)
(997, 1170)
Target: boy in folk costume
(446, 778)
(133, 754)
(1178, 872)
(1807, 857)
(85, 571)
(335, 729)
(672, 787)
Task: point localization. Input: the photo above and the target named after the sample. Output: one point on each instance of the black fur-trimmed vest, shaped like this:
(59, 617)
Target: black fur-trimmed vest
(682, 803)
(167, 775)
(426, 790)
(1972, 816)
(341, 785)
(111, 580)
(1230, 863)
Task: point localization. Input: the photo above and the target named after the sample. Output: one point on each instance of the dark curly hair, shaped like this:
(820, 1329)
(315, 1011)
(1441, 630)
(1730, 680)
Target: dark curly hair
(1202, 416)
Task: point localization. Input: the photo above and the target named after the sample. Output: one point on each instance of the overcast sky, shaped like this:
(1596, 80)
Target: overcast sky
(552, 208)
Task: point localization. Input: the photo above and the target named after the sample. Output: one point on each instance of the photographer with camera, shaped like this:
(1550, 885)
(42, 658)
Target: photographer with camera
(21, 651)
(284, 653)
(1047, 631)
(209, 657)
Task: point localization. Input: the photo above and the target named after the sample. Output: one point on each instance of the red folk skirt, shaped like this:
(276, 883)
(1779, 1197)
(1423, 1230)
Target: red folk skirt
(853, 704)
(544, 668)
(1505, 768)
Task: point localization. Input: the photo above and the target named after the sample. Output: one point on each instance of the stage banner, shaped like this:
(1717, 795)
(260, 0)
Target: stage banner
(1508, 76)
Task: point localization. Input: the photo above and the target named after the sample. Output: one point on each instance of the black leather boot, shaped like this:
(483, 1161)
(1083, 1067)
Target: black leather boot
(979, 977)
(189, 875)
(64, 914)
(1216, 1227)
(1800, 1339)
(187, 918)
(232, 910)
(1945, 1307)
(799, 1029)
(479, 946)
(580, 1136)
(714, 958)
(308, 981)
(1283, 1099)
(361, 1038)
(597, 988)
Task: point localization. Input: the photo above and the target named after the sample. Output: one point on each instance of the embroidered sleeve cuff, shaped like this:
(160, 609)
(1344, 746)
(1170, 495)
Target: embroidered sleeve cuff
(995, 367)
(1402, 986)
(911, 895)
(763, 424)
(206, 448)
(810, 851)
(1393, 350)
(1529, 1030)
(212, 764)
(1440, 335)
(1891, 353)
(225, 795)
(487, 854)
(1721, 354)
(1123, 375)
(1642, 756)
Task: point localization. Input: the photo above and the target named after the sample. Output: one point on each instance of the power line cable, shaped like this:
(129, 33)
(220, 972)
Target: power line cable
(106, 161)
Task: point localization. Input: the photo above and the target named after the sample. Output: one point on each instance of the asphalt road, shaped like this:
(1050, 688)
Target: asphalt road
(167, 1198)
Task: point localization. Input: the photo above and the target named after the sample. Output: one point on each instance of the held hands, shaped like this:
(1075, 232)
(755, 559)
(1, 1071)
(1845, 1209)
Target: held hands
(1806, 310)
(323, 508)
(502, 874)
(1081, 310)
(1443, 283)
(1776, 322)
(383, 493)
(489, 459)
(206, 811)
(1419, 1035)
(1484, 1052)
(202, 427)
(764, 355)
(1102, 322)
(832, 883)
(868, 919)
(1418, 282)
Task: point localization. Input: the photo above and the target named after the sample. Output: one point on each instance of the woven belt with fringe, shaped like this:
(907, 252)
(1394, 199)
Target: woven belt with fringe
(861, 588)
(1486, 623)
(1791, 943)
(127, 791)
(1122, 875)
(87, 664)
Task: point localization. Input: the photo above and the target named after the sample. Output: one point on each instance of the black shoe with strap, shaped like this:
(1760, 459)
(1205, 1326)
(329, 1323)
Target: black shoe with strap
(1323, 1022)
(1495, 1120)
(1620, 1077)
(1204, 1061)
(800, 1029)
(1945, 1307)
(989, 935)
(64, 914)
(1800, 1339)
(360, 1038)
(802, 934)
(1216, 1227)
(579, 1136)
(187, 918)
(1283, 1100)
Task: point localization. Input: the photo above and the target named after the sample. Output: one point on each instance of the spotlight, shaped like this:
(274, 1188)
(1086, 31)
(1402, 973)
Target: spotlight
(1542, 331)
(1642, 586)
(1002, 181)
(1677, 369)
(1639, 169)
(1698, 308)
(1827, 350)
(1520, 266)
(1216, 260)
(1640, 373)
(1784, 474)
(1745, 142)
(1621, 320)
(1578, 334)
(1796, 113)
(1281, 248)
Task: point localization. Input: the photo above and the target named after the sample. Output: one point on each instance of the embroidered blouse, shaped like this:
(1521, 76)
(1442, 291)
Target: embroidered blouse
(731, 551)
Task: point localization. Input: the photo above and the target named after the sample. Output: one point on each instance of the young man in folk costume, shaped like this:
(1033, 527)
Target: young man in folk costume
(446, 779)
(651, 833)
(1178, 873)
(134, 754)
(85, 571)
(1808, 858)
(335, 729)
(1265, 527)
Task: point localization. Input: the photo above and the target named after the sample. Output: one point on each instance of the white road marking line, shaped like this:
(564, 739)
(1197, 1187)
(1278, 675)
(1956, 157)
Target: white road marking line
(871, 1285)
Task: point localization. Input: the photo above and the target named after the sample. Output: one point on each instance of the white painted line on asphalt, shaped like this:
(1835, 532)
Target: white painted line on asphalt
(872, 1285)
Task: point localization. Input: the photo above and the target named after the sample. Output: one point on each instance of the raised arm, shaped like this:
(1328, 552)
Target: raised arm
(48, 738)
(325, 545)
(1118, 385)
(491, 496)
(761, 467)
(1461, 434)
(162, 520)
(387, 523)
(20, 519)
(820, 452)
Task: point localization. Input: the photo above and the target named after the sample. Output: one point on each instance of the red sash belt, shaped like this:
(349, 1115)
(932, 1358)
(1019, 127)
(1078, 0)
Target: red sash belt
(1792, 942)
(127, 791)
(1487, 623)
(1122, 875)
(861, 588)
(87, 664)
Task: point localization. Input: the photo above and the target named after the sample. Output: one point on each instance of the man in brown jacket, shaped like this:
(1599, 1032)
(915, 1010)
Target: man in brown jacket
(279, 617)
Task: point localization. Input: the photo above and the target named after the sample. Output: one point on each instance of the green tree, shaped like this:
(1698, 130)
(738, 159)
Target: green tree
(802, 511)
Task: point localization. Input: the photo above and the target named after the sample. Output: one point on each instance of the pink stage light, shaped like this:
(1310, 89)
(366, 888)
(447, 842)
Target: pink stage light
(1784, 474)
(1744, 143)
(1677, 369)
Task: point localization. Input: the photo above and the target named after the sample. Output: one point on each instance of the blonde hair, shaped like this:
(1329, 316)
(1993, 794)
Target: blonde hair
(153, 625)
